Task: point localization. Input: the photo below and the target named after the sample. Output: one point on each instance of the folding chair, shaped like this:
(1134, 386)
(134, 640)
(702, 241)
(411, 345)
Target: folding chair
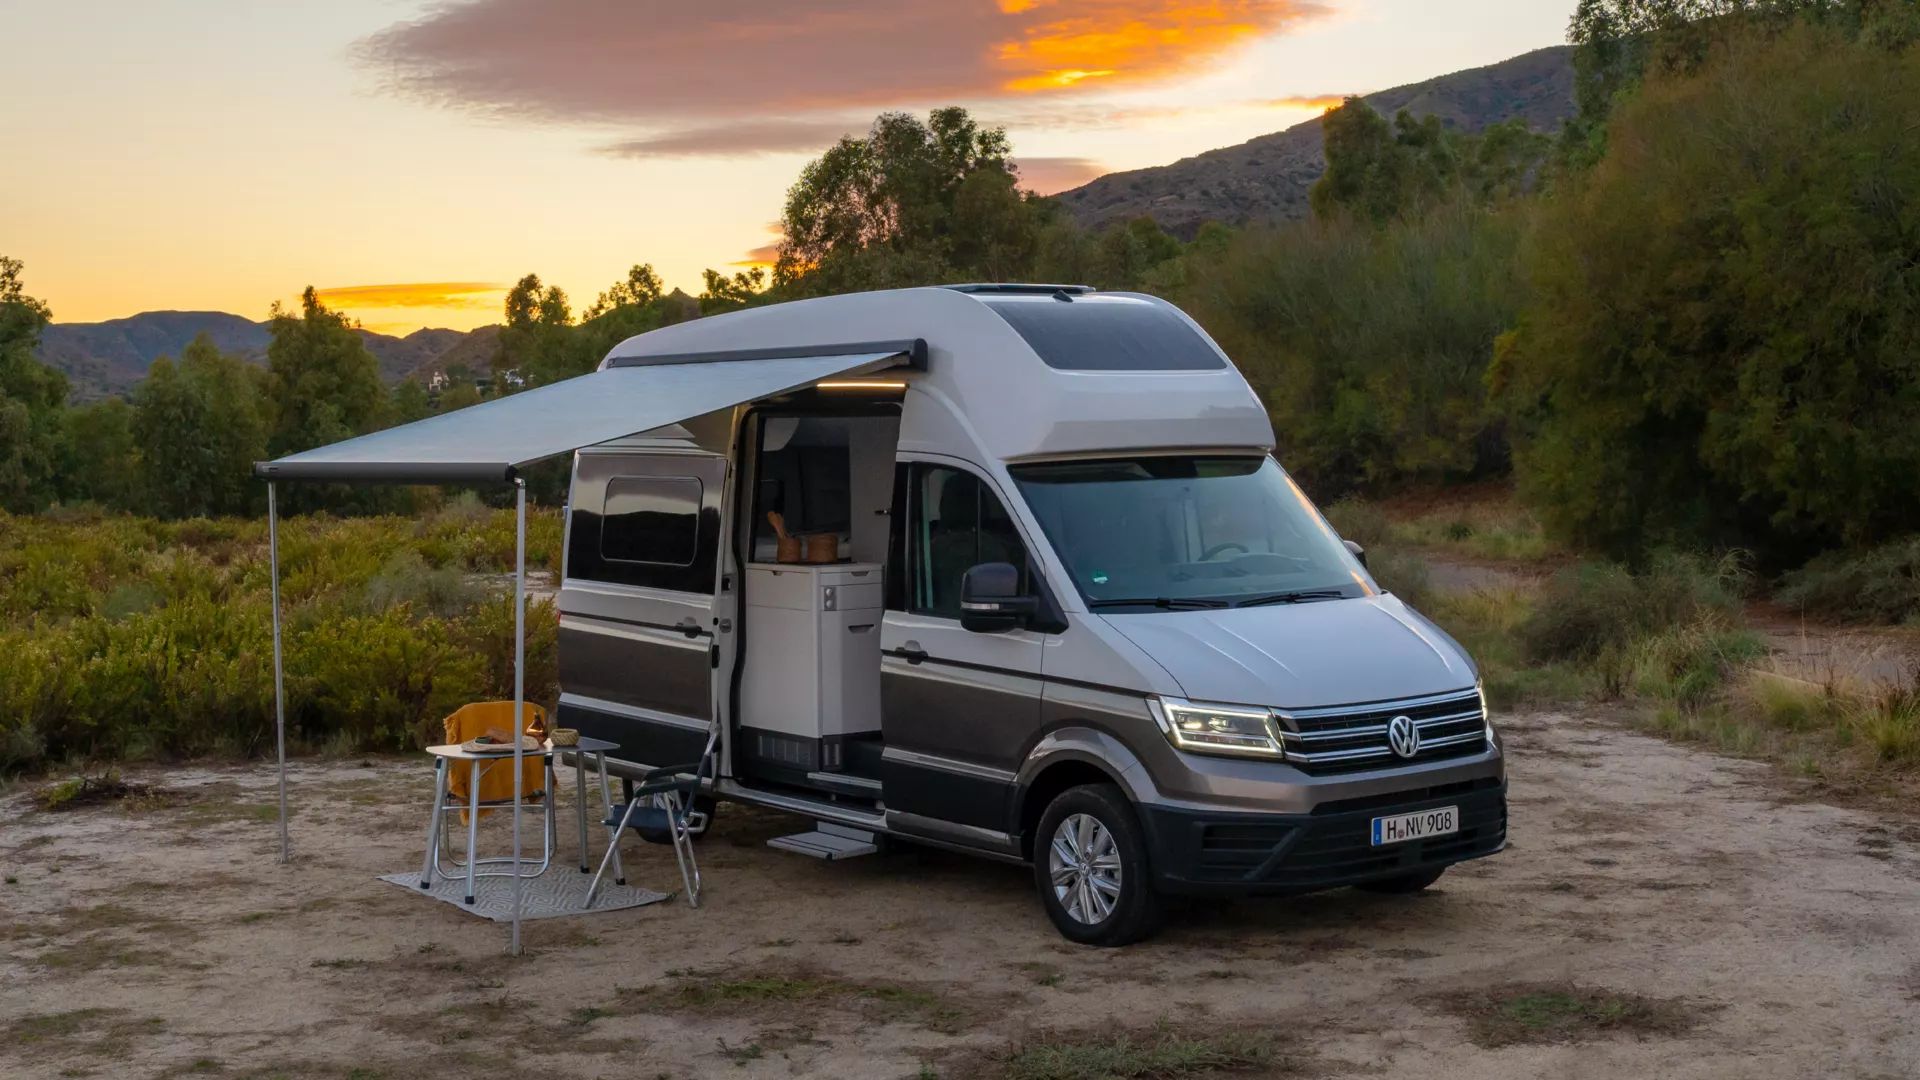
(454, 793)
(660, 809)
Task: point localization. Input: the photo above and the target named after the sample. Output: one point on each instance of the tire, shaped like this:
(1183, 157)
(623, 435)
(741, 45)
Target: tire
(1096, 816)
(1404, 884)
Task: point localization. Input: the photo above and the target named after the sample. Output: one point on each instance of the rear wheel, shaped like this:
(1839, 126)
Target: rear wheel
(1090, 863)
(1405, 883)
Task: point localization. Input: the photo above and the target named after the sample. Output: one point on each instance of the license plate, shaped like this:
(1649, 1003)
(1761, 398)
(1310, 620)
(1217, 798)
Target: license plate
(1400, 828)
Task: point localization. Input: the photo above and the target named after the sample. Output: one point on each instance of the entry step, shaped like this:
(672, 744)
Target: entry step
(828, 841)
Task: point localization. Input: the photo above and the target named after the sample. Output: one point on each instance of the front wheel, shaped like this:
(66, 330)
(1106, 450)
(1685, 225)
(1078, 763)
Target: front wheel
(1090, 863)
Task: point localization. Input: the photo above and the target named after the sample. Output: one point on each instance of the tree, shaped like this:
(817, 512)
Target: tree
(537, 344)
(1380, 171)
(912, 203)
(410, 402)
(99, 462)
(200, 425)
(1369, 345)
(1617, 43)
(722, 293)
(32, 396)
(323, 384)
(1724, 343)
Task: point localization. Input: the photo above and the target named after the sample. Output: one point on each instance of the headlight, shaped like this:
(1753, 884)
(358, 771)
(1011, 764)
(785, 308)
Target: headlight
(1218, 729)
(1486, 714)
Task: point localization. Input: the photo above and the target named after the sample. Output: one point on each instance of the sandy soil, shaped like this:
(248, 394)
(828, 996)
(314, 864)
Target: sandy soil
(1778, 936)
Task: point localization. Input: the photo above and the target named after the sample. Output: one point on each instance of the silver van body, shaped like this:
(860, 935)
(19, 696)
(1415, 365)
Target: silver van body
(1257, 739)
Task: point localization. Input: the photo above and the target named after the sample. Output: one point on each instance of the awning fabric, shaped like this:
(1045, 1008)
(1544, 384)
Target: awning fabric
(486, 442)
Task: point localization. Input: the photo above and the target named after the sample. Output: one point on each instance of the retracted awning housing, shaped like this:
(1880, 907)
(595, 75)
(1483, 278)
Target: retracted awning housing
(488, 442)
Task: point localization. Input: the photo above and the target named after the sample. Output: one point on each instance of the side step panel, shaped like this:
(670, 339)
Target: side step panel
(828, 841)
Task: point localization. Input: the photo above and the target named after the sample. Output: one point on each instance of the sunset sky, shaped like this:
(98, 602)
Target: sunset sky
(412, 159)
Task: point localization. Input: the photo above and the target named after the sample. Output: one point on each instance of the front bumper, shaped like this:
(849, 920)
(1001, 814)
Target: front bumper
(1208, 853)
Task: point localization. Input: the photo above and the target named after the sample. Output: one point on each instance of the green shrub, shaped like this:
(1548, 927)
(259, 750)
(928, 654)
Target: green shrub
(125, 637)
(407, 579)
(1360, 521)
(1593, 608)
(1724, 342)
(1879, 584)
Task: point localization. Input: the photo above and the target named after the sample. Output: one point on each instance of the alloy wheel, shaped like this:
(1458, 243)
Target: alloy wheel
(1083, 863)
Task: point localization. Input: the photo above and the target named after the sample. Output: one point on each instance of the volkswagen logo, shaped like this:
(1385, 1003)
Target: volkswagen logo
(1404, 736)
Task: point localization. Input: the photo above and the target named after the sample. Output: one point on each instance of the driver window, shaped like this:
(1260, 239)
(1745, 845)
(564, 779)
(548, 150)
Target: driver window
(957, 524)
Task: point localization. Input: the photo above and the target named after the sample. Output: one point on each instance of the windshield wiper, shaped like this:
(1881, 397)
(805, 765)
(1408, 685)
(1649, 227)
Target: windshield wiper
(1296, 597)
(1163, 603)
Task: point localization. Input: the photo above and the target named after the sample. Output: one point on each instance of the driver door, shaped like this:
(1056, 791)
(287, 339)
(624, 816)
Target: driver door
(958, 708)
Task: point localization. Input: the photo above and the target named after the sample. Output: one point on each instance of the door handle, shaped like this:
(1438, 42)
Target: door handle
(688, 627)
(912, 653)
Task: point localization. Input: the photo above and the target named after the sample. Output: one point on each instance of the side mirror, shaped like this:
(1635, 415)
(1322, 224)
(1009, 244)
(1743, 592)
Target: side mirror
(1359, 552)
(991, 600)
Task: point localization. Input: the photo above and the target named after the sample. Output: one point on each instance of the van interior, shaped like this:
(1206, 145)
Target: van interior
(806, 689)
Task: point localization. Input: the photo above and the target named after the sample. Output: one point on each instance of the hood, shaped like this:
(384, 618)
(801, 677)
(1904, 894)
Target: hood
(1331, 652)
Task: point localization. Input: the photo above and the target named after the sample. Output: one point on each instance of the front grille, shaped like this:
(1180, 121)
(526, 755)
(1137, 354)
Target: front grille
(1323, 850)
(1351, 738)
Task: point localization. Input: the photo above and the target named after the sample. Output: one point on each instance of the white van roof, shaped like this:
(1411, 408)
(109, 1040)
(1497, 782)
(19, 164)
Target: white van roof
(1016, 371)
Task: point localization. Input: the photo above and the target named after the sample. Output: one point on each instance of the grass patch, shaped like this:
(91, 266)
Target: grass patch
(82, 791)
(1159, 1053)
(103, 1033)
(1496, 529)
(1566, 1012)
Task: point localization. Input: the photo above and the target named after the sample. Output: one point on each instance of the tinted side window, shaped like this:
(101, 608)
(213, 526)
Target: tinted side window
(956, 523)
(651, 519)
(655, 531)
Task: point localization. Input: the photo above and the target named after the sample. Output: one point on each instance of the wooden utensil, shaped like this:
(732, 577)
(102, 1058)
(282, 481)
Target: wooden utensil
(787, 547)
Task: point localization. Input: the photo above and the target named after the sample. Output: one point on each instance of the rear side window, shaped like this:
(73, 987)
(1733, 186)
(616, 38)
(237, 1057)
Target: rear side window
(651, 519)
(1107, 333)
(645, 522)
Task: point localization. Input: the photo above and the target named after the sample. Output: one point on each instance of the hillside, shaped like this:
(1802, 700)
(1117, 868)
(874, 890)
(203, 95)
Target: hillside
(107, 358)
(1267, 178)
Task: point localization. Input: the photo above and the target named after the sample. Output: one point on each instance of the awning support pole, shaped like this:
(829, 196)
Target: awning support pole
(279, 681)
(519, 685)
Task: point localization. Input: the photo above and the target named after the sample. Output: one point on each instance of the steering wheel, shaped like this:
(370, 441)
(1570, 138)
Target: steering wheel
(1207, 555)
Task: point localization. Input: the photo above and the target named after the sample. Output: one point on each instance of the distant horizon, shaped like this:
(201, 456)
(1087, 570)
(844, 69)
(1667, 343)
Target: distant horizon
(412, 158)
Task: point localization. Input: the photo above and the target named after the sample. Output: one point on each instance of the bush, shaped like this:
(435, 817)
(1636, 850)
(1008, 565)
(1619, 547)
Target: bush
(1593, 609)
(126, 637)
(1723, 347)
(1360, 521)
(1369, 346)
(1879, 585)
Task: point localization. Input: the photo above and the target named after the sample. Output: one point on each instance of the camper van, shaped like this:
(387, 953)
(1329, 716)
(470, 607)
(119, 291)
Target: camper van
(1020, 577)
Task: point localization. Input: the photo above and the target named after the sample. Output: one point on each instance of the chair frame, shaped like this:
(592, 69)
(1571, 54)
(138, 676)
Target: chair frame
(674, 786)
(440, 842)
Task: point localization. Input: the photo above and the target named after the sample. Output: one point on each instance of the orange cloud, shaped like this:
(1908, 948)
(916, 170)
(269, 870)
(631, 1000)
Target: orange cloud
(677, 68)
(1133, 40)
(1321, 102)
(423, 294)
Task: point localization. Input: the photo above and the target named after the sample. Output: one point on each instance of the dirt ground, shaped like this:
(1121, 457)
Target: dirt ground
(1701, 918)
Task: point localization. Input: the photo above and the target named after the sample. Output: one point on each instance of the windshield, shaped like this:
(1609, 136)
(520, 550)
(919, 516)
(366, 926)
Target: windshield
(1170, 532)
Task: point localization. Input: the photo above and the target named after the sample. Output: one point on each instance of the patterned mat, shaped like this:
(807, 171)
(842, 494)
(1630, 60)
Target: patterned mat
(560, 891)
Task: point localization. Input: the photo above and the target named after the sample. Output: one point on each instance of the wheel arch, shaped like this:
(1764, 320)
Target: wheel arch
(1067, 758)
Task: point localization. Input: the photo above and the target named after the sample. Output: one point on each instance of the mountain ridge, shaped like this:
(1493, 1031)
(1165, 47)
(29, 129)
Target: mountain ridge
(108, 358)
(1267, 178)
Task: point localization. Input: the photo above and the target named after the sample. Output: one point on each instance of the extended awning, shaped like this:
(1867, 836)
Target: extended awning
(489, 441)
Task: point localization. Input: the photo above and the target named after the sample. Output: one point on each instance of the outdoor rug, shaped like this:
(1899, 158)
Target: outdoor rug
(560, 891)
